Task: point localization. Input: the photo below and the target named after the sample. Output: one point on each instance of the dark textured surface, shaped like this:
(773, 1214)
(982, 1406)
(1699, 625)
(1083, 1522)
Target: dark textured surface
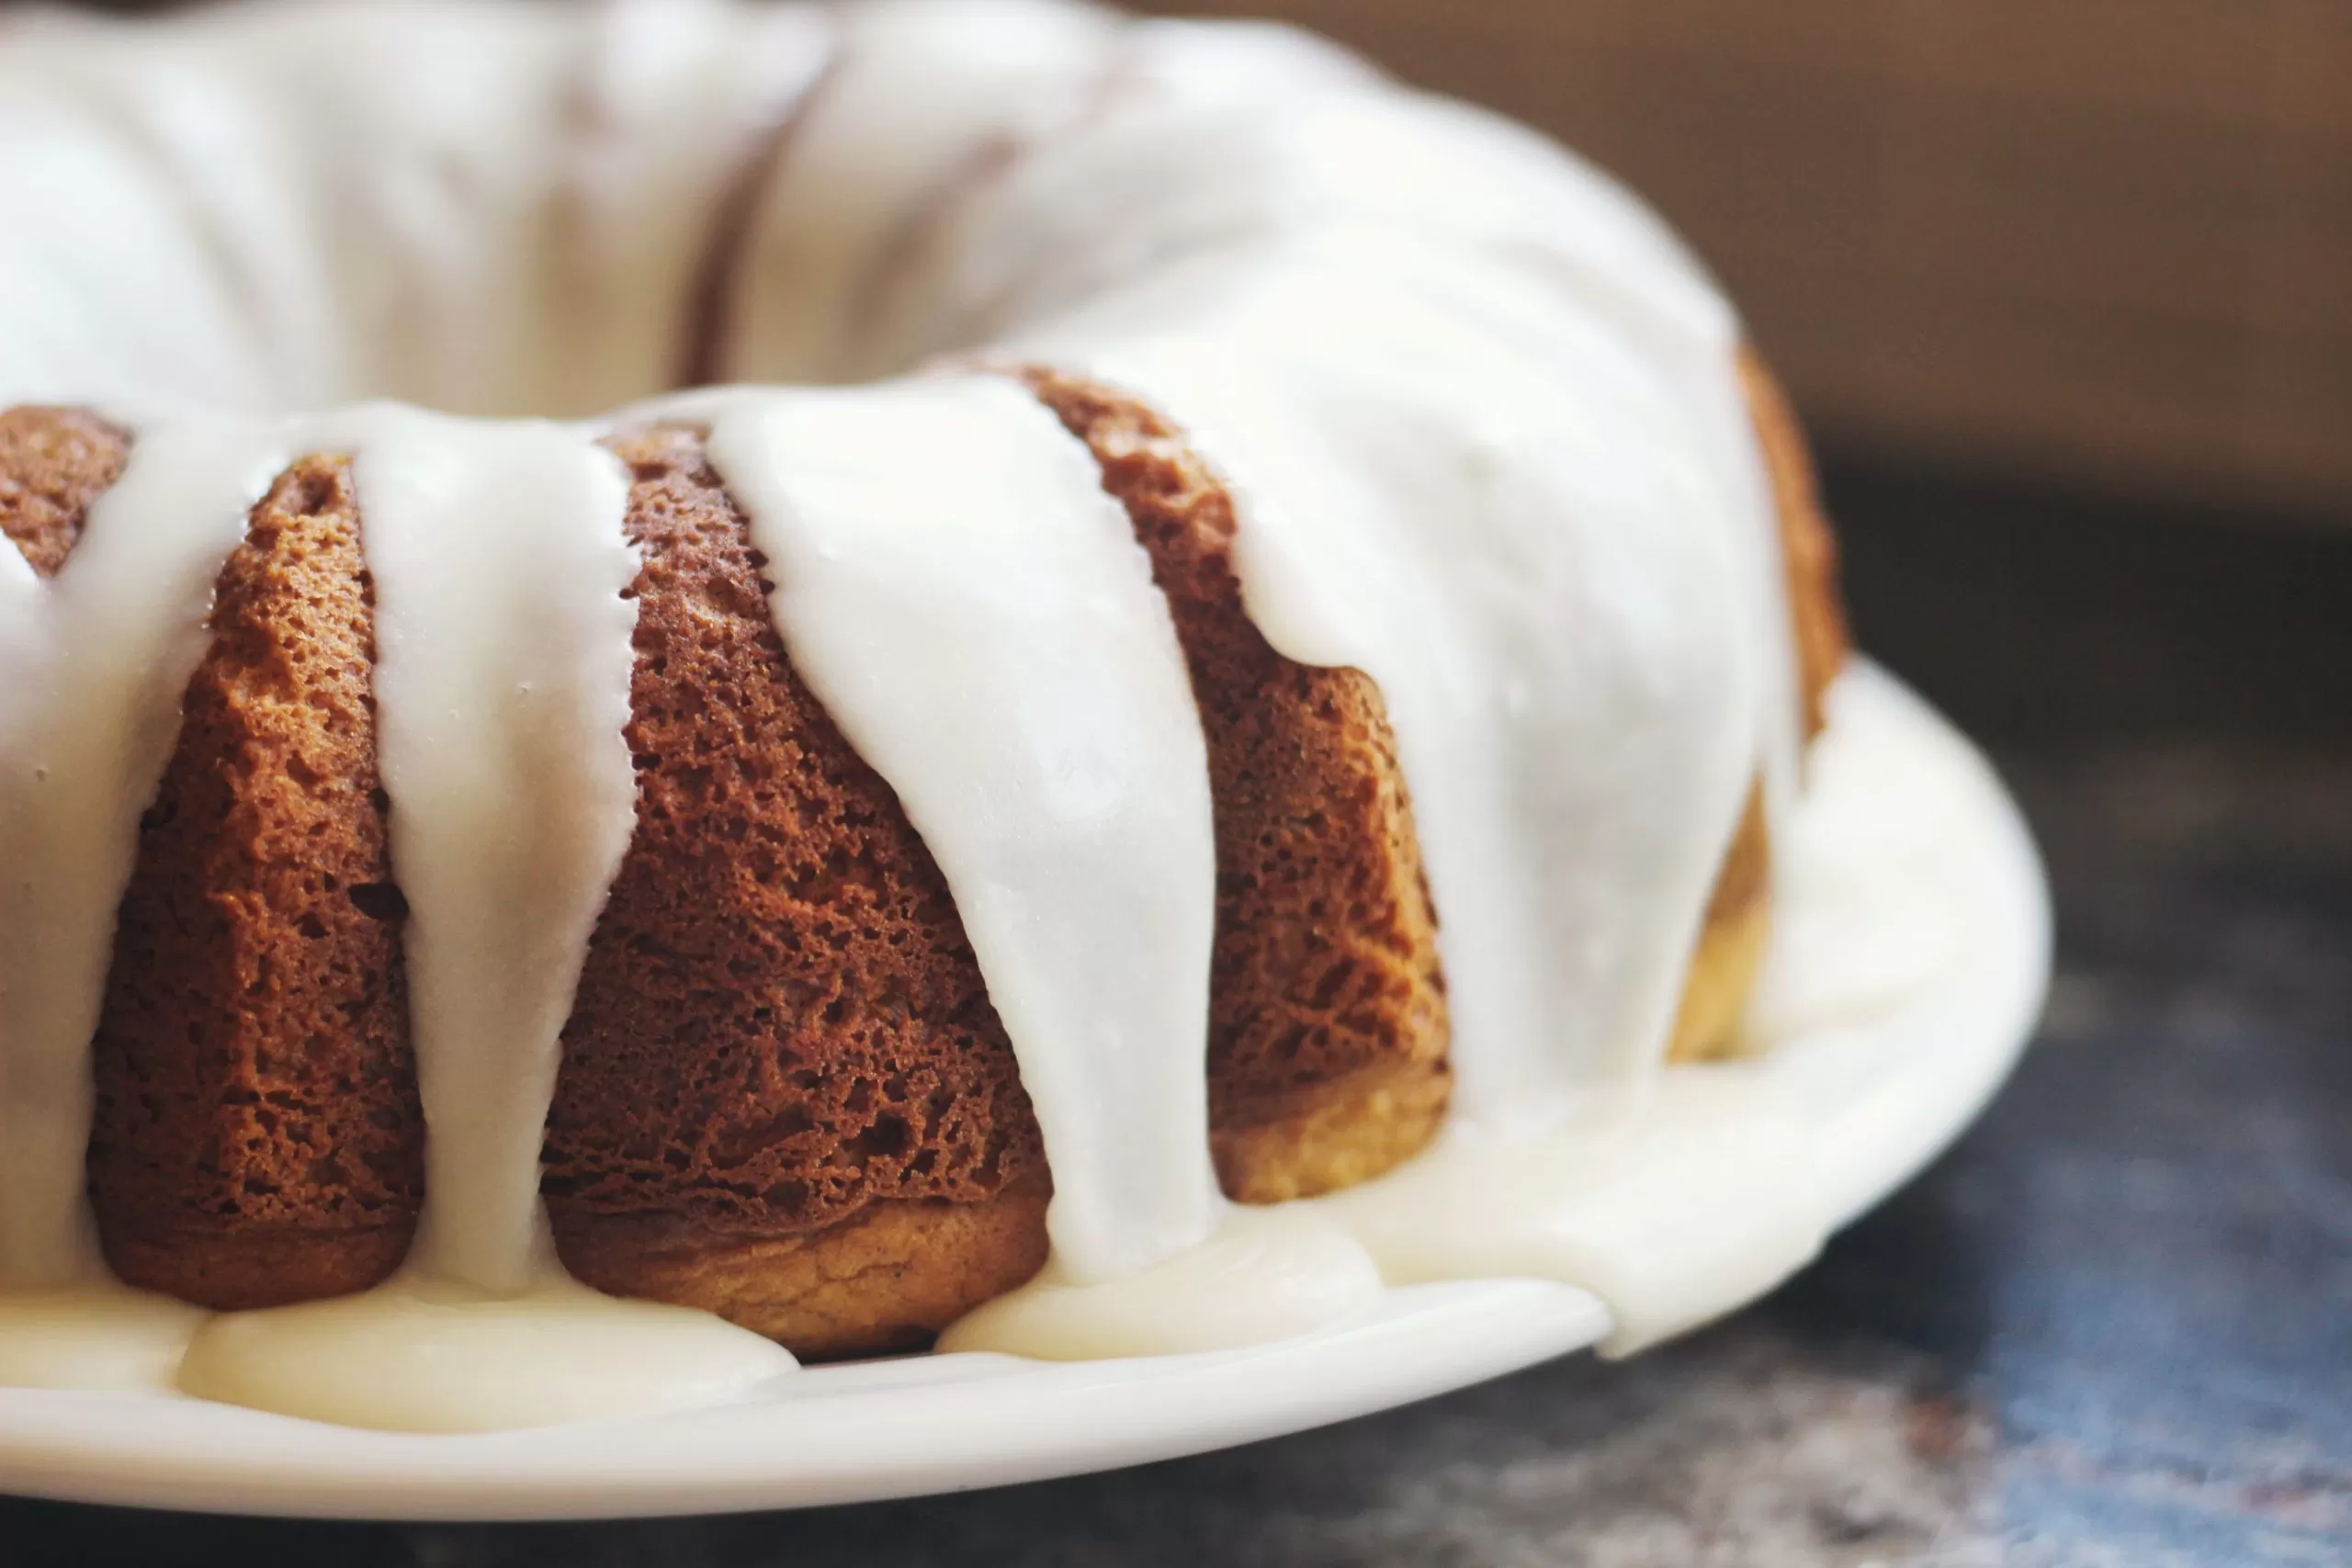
(2114, 1327)
(256, 1139)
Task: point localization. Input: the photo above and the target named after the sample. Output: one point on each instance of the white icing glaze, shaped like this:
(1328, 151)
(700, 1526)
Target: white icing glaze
(975, 614)
(286, 205)
(92, 665)
(922, 93)
(1846, 936)
(422, 1354)
(678, 96)
(112, 296)
(979, 259)
(1193, 155)
(1086, 241)
(1498, 513)
(502, 692)
(1480, 415)
(1671, 1203)
(1482, 422)
(1262, 1275)
(97, 1334)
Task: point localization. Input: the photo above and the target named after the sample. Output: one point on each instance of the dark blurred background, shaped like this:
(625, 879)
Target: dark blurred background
(2107, 241)
(2064, 291)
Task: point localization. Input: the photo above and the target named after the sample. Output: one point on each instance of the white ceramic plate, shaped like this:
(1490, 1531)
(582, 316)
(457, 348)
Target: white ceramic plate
(1893, 1064)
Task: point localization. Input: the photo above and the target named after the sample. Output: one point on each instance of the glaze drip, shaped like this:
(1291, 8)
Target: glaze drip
(983, 628)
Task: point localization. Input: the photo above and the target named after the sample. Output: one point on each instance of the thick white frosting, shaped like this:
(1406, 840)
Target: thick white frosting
(957, 588)
(92, 665)
(959, 593)
(423, 1353)
(1496, 511)
(921, 97)
(501, 691)
(1479, 412)
(94, 1333)
(1260, 1275)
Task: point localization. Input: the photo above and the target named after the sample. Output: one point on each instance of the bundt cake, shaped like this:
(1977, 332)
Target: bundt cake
(1269, 642)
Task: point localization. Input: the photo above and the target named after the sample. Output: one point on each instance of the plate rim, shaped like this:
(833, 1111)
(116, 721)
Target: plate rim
(934, 1424)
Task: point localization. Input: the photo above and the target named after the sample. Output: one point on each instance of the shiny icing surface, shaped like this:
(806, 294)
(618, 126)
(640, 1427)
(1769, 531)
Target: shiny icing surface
(501, 695)
(422, 1353)
(92, 664)
(94, 1333)
(1479, 415)
(1407, 432)
(1885, 1090)
(1260, 1275)
(985, 628)
(1851, 849)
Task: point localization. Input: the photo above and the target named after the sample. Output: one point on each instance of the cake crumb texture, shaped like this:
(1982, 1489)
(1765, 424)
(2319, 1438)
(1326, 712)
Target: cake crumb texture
(53, 464)
(1324, 969)
(258, 1138)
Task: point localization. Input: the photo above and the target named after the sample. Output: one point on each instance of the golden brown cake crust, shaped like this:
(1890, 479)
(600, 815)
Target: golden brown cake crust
(258, 1138)
(886, 1279)
(53, 464)
(780, 1025)
(1808, 544)
(1730, 945)
(1324, 988)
